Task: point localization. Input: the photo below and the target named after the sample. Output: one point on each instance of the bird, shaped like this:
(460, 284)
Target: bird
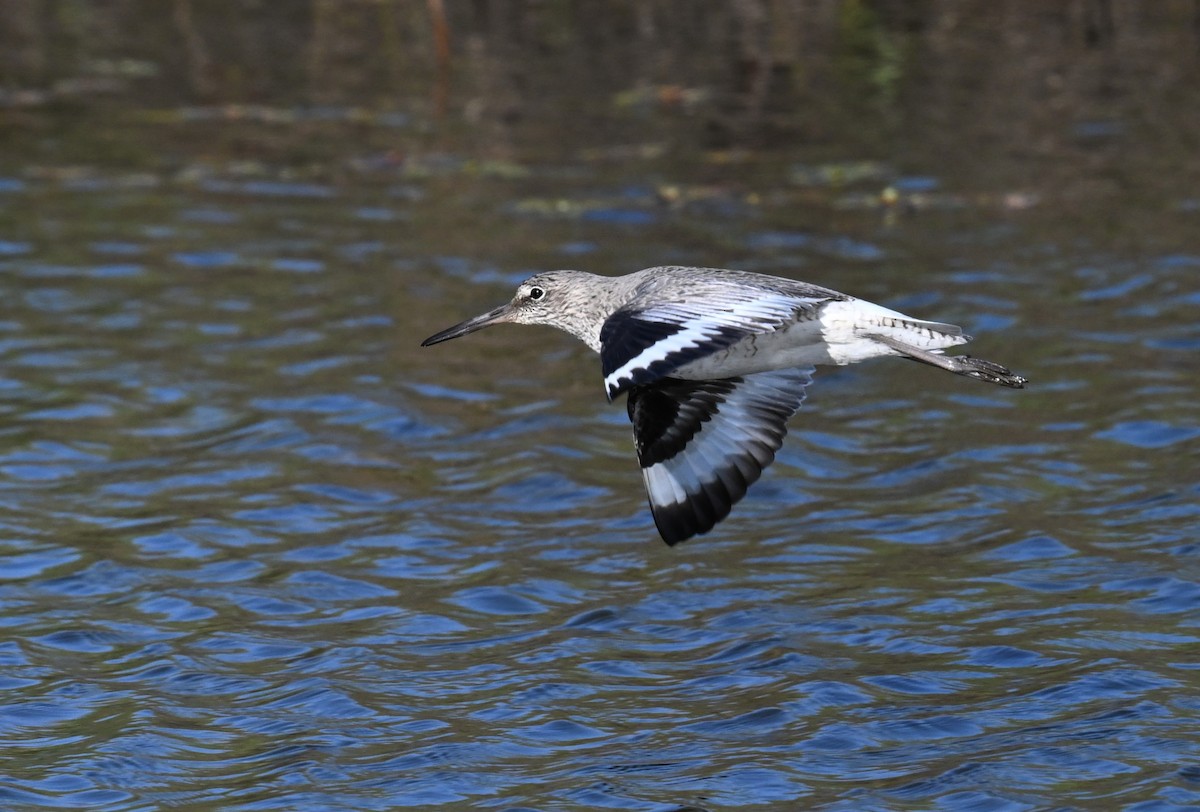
(714, 363)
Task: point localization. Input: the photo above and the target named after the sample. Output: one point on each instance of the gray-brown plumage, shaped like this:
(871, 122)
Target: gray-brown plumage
(715, 362)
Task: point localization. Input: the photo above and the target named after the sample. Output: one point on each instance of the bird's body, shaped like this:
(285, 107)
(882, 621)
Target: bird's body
(714, 363)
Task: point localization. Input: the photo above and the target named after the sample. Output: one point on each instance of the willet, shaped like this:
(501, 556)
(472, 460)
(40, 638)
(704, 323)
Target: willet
(714, 363)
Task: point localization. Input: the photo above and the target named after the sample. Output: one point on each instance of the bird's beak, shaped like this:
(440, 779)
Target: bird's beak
(500, 314)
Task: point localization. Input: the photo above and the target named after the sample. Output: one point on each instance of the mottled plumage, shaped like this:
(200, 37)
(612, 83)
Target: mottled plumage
(714, 363)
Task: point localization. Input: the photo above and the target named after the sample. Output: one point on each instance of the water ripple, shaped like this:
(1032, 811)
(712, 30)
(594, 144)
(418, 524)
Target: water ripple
(262, 551)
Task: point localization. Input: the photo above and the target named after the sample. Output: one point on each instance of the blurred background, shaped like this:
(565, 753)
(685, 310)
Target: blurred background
(261, 551)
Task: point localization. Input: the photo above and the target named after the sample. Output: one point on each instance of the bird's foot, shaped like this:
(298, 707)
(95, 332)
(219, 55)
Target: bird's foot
(988, 371)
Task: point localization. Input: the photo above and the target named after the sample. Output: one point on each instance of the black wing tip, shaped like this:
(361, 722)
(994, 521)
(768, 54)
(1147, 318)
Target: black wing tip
(676, 529)
(701, 512)
(672, 539)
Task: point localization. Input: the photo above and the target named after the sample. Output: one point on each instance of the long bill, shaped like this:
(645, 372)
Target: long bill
(500, 314)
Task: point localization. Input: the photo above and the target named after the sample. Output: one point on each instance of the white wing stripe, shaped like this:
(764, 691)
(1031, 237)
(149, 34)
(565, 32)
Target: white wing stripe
(696, 332)
(704, 321)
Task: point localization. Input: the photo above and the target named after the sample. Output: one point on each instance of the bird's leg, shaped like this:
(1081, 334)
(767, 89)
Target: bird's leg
(958, 364)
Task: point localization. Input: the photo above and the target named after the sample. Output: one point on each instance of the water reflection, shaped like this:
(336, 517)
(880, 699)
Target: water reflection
(262, 552)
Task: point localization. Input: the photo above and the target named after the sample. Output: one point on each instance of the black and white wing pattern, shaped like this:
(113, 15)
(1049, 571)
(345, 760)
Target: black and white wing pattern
(701, 444)
(640, 344)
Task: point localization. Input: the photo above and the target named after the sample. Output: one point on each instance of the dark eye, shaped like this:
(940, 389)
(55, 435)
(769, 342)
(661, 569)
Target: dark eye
(536, 293)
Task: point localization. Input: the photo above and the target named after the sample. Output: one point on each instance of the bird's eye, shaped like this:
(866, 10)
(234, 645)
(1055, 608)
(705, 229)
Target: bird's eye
(536, 293)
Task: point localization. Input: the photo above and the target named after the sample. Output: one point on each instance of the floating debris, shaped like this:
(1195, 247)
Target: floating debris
(264, 114)
(624, 152)
(841, 174)
(664, 96)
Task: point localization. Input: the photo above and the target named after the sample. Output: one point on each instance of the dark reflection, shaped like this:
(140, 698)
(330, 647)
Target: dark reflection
(749, 72)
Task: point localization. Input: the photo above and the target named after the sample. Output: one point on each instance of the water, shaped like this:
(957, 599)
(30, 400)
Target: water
(261, 551)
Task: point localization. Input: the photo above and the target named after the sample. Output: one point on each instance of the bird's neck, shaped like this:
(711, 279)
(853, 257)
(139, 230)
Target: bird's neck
(590, 307)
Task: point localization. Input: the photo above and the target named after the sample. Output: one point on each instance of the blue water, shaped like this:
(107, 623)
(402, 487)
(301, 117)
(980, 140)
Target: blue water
(262, 551)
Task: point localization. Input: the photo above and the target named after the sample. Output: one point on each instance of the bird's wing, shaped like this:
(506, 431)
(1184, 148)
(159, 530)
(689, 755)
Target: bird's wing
(701, 444)
(643, 343)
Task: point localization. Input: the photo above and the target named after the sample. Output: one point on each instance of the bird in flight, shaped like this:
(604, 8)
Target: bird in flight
(714, 363)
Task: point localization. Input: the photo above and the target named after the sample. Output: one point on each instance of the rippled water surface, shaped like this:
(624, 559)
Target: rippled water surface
(260, 551)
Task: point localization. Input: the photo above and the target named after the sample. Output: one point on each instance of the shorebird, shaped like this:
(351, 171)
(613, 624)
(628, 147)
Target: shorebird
(714, 363)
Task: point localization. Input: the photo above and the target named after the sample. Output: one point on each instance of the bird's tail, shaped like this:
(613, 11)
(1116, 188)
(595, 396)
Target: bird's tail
(958, 364)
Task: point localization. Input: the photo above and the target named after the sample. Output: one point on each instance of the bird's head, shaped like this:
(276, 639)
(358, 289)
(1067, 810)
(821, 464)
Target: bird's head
(544, 298)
